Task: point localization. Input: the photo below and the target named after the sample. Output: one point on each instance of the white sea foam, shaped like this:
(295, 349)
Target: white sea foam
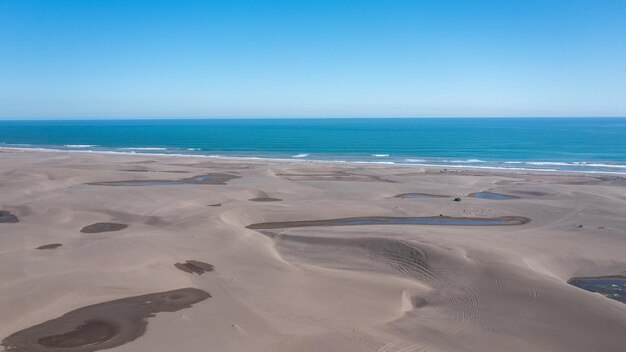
(555, 163)
(380, 155)
(607, 165)
(300, 156)
(410, 162)
(80, 145)
(143, 148)
(484, 167)
(576, 163)
(374, 162)
(468, 161)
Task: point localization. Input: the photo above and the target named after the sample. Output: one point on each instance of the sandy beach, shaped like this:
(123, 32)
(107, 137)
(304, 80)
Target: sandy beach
(168, 253)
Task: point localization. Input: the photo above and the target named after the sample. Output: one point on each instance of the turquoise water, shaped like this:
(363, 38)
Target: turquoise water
(588, 145)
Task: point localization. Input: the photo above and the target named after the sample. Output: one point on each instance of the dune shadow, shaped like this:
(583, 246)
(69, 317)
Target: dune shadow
(360, 254)
(49, 246)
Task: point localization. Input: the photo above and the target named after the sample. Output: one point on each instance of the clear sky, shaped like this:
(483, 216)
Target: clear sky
(129, 58)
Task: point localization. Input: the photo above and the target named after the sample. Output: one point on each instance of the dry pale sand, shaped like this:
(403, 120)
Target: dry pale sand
(277, 278)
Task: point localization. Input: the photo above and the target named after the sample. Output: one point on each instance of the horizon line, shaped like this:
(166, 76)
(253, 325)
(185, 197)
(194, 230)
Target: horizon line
(300, 118)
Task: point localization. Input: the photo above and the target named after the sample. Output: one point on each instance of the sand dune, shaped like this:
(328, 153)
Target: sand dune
(346, 261)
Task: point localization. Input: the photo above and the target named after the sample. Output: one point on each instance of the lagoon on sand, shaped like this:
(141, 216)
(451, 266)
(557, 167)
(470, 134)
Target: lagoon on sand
(250, 255)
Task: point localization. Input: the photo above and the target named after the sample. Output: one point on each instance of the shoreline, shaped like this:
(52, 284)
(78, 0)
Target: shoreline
(487, 170)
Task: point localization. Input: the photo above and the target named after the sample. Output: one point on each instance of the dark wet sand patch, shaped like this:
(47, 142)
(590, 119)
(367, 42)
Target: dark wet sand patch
(95, 332)
(194, 267)
(207, 179)
(334, 176)
(491, 195)
(389, 220)
(7, 218)
(103, 325)
(418, 195)
(562, 180)
(103, 227)
(613, 287)
(145, 170)
(533, 193)
(265, 199)
(215, 205)
(50, 246)
(216, 165)
(140, 162)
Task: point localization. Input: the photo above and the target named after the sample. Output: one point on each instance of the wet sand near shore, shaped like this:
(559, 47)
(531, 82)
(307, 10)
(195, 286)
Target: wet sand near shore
(352, 257)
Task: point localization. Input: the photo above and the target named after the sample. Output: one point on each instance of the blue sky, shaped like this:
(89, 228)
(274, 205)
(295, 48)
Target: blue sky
(229, 58)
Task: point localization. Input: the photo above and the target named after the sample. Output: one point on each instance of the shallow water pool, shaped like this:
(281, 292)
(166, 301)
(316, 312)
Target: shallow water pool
(613, 287)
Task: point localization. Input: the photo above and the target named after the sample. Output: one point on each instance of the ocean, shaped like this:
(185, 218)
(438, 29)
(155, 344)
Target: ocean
(591, 145)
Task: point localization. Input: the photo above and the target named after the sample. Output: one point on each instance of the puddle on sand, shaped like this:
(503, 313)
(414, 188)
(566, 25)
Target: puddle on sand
(6, 217)
(491, 195)
(388, 220)
(613, 287)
